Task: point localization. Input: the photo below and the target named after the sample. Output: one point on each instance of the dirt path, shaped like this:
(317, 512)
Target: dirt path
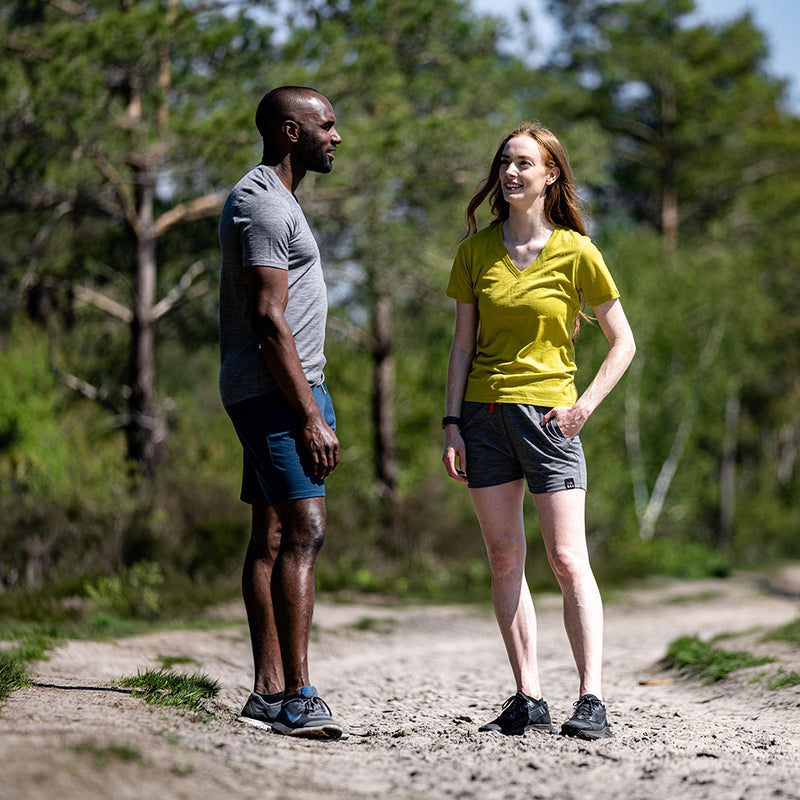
(413, 684)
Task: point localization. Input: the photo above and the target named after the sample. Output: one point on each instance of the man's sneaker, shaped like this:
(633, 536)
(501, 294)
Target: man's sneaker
(521, 713)
(304, 713)
(258, 712)
(589, 720)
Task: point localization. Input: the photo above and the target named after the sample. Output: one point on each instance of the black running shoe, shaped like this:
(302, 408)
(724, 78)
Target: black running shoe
(305, 713)
(258, 712)
(521, 713)
(589, 720)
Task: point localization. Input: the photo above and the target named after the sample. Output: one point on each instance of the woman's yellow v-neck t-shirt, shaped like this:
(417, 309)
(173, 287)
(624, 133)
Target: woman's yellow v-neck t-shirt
(524, 353)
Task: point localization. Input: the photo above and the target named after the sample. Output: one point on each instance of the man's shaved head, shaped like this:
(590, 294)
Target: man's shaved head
(285, 102)
(297, 125)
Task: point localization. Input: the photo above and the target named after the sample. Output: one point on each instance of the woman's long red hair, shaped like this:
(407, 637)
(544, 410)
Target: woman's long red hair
(562, 204)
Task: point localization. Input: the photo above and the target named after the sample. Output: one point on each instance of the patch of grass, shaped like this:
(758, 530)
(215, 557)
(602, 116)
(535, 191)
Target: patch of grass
(103, 755)
(165, 688)
(378, 624)
(708, 662)
(700, 597)
(168, 662)
(782, 678)
(13, 674)
(786, 633)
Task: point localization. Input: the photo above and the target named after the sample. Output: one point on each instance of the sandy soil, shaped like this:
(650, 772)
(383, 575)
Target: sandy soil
(413, 684)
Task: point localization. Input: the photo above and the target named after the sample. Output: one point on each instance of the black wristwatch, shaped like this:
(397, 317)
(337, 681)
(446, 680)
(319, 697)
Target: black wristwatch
(451, 421)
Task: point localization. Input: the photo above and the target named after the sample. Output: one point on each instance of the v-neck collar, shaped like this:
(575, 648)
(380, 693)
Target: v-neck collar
(507, 258)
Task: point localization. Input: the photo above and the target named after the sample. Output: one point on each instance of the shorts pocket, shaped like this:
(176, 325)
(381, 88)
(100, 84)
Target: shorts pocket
(469, 412)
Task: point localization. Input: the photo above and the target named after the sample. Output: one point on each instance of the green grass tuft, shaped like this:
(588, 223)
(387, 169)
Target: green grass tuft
(168, 662)
(103, 755)
(709, 663)
(786, 633)
(13, 674)
(782, 678)
(165, 688)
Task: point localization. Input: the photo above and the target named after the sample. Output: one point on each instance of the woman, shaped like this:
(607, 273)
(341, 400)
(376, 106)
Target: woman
(513, 414)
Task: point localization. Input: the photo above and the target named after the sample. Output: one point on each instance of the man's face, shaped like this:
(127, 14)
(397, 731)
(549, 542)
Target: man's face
(318, 137)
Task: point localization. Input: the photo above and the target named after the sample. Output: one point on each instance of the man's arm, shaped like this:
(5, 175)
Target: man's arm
(269, 293)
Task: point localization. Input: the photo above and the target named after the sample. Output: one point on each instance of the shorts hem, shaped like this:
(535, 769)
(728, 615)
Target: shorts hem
(292, 497)
(561, 488)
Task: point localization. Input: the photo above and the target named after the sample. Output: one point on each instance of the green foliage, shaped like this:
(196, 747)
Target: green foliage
(420, 575)
(783, 678)
(422, 92)
(168, 662)
(103, 755)
(13, 674)
(133, 594)
(708, 662)
(786, 633)
(166, 688)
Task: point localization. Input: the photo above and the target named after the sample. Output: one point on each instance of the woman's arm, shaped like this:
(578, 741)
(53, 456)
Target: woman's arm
(615, 326)
(462, 351)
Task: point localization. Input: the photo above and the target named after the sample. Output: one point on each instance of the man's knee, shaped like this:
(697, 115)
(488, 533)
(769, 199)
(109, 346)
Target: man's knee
(304, 524)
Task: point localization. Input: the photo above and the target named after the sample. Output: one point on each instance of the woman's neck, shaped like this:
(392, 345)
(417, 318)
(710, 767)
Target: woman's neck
(530, 225)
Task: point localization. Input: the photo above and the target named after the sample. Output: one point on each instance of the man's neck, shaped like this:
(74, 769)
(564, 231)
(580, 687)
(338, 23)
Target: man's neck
(286, 173)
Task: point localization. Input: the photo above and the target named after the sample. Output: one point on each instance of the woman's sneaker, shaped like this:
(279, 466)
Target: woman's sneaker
(259, 712)
(589, 720)
(521, 713)
(305, 713)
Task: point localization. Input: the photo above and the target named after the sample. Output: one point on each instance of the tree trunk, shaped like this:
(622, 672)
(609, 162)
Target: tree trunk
(727, 482)
(143, 431)
(669, 189)
(383, 417)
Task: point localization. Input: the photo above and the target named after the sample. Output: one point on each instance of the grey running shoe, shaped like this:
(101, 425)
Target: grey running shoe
(588, 721)
(305, 713)
(258, 712)
(521, 713)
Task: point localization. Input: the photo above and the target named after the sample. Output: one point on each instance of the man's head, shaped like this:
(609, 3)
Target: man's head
(298, 121)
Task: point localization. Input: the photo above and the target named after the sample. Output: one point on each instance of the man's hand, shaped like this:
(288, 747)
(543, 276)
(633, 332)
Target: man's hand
(322, 446)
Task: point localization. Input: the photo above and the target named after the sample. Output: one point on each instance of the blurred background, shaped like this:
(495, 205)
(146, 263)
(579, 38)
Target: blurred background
(123, 126)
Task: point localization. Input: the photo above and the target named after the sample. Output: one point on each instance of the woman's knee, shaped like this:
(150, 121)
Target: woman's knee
(569, 564)
(506, 555)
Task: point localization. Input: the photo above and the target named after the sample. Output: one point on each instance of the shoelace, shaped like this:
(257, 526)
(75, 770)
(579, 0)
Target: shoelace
(516, 704)
(586, 706)
(310, 703)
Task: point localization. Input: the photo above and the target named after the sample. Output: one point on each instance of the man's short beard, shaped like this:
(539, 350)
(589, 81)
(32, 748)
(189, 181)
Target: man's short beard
(313, 153)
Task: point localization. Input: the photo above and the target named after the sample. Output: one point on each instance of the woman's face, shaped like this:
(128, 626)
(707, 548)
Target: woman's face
(524, 173)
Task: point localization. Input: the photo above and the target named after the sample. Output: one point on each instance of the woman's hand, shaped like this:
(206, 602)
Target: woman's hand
(454, 457)
(569, 418)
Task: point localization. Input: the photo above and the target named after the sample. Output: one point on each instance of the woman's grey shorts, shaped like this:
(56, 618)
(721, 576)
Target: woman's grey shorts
(506, 442)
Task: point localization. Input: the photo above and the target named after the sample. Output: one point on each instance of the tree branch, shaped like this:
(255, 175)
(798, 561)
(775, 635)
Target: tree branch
(79, 385)
(95, 298)
(178, 291)
(208, 205)
(120, 187)
(647, 524)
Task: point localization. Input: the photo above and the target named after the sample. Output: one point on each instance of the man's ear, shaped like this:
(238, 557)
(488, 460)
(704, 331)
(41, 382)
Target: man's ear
(291, 130)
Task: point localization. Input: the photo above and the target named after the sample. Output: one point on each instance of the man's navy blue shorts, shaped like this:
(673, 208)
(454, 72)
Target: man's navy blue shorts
(275, 461)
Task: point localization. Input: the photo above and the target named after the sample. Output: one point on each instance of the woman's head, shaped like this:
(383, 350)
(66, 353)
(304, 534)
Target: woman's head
(562, 203)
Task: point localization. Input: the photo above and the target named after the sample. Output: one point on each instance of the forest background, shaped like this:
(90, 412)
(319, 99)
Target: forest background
(124, 124)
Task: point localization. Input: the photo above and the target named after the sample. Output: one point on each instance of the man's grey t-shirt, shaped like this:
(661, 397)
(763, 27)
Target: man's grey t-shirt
(262, 225)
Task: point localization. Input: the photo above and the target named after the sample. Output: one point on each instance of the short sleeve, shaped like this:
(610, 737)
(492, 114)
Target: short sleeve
(265, 231)
(593, 277)
(461, 286)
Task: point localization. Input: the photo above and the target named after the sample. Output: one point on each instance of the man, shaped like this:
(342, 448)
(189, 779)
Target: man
(273, 309)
